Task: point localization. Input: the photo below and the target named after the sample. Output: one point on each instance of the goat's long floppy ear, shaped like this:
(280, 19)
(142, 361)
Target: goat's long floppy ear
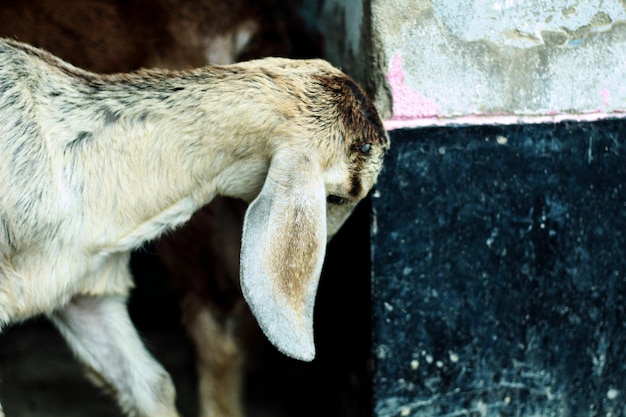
(283, 247)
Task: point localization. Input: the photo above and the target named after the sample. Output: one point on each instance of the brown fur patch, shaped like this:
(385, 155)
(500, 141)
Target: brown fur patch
(361, 122)
(299, 249)
(358, 113)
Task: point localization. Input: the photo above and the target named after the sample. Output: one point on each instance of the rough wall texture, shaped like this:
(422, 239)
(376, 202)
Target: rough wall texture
(448, 59)
(443, 59)
(498, 277)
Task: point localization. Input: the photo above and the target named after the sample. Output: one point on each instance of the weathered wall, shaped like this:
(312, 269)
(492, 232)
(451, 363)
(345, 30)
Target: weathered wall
(498, 277)
(497, 270)
(474, 57)
(454, 59)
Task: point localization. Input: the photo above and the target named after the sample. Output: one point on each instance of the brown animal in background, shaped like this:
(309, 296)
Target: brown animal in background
(110, 36)
(202, 257)
(95, 165)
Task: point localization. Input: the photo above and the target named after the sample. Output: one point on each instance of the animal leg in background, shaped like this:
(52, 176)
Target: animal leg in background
(202, 260)
(219, 365)
(101, 335)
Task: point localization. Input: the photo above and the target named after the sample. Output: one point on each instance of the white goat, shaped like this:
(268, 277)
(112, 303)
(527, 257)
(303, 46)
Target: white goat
(95, 165)
(109, 36)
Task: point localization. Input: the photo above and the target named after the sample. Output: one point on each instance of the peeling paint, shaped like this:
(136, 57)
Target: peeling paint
(526, 325)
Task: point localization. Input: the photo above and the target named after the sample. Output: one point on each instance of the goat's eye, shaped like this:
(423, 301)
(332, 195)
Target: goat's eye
(366, 148)
(335, 199)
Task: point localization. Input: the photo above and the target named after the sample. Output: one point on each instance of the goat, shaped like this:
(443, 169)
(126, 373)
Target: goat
(109, 36)
(95, 165)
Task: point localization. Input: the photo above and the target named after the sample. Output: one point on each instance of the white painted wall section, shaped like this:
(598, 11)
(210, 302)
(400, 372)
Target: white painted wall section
(508, 60)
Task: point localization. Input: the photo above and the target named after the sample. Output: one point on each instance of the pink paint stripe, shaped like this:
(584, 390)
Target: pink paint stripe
(407, 103)
(606, 97)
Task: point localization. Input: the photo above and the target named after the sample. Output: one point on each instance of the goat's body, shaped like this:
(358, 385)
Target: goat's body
(201, 257)
(93, 166)
(75, 138)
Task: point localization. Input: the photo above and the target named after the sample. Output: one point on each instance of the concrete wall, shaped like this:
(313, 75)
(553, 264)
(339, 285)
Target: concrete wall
(498, 276)
(471, 60)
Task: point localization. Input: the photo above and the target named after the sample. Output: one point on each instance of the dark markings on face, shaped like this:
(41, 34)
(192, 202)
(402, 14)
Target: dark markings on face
(362, 125)
(360, 118)
(368, 111)
(355, 184)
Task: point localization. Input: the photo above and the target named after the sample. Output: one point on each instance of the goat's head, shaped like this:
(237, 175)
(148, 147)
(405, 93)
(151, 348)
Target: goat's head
(316, 177)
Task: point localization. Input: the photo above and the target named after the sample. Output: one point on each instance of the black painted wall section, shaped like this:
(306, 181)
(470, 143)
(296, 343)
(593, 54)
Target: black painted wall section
(499, 272)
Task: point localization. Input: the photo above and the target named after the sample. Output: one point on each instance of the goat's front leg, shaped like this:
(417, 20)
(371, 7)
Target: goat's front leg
(101, 334)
